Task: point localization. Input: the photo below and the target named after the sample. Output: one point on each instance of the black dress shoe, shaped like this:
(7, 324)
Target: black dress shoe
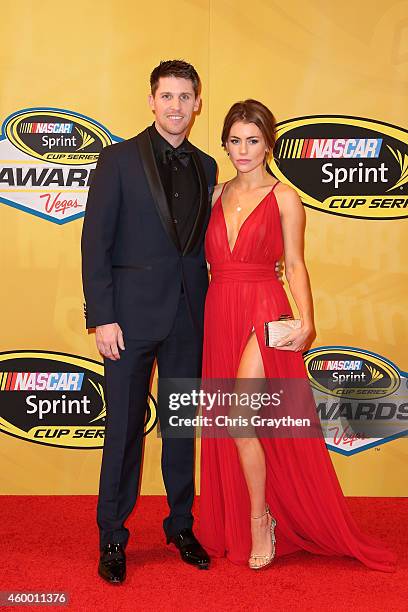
(190, 548)
(112, 564)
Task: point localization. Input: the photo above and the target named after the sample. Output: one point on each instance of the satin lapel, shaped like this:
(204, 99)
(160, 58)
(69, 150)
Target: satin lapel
(153, 178)
(202, 207)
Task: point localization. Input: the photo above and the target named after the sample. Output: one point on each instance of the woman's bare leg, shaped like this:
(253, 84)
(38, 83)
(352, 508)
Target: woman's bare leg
(252, 457)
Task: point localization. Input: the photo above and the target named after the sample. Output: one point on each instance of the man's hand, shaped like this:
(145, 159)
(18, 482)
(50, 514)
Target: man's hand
(108, 338)
(279, 270)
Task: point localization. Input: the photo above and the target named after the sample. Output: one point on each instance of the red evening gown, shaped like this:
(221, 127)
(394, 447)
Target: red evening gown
(302, 488)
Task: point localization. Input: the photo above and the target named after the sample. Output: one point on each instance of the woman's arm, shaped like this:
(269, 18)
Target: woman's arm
(216, 193)
(293, 221)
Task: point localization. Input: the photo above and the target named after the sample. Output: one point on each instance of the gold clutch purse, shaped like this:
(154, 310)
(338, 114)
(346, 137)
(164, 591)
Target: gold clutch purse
(276, 330)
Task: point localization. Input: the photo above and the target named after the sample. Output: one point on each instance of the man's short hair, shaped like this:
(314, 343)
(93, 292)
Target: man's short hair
(175, 68)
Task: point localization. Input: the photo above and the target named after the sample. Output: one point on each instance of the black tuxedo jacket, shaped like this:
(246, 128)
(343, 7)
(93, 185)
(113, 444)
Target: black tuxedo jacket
(132, 265)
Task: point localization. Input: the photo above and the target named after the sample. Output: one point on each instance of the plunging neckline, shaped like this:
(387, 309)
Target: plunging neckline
(231, 251)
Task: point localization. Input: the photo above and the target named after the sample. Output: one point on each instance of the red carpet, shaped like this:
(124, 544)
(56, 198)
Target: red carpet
(50, 544)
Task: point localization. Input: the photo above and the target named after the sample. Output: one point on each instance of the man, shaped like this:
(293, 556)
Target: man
(145, 280)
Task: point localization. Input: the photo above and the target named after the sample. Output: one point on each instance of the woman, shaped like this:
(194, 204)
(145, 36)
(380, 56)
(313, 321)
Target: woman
(255, 219)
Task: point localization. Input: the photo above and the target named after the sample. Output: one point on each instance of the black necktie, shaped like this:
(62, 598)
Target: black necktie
(181, 154)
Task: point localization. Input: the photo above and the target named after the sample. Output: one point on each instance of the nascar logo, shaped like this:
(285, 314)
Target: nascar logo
(376, 377)
(42, 412)
(41, 381)
(47, 158)
(352, 410)
(45, 128)
(341, 165)
(323, 364)
(320, 148)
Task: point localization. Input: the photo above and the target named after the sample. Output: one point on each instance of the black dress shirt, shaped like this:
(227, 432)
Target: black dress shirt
(180, 182)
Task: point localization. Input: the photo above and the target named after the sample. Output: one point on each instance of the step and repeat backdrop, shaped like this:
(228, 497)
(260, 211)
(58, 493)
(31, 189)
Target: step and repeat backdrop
(75, 79)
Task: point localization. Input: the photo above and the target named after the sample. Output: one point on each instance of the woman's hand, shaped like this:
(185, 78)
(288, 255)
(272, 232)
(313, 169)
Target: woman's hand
(298, 339)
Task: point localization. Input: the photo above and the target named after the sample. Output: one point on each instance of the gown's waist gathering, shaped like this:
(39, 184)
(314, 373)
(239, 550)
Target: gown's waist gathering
(242, 272)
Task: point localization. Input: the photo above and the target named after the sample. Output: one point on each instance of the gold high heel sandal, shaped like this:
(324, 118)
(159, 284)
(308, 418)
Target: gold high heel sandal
(268, 558)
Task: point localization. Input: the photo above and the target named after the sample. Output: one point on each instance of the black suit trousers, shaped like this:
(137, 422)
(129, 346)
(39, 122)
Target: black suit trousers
(127, 385)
